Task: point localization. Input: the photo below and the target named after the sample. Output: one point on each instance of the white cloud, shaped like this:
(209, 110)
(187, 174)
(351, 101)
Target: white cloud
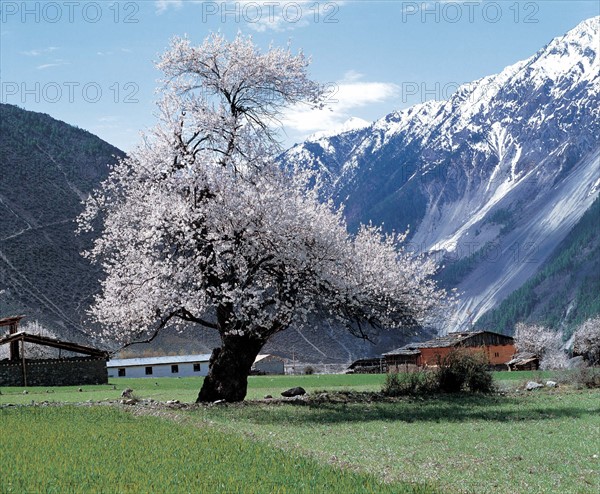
(262, 15)
(109, 118)
(163, 5)
(57, 63)
(344, 100)
(38, 52)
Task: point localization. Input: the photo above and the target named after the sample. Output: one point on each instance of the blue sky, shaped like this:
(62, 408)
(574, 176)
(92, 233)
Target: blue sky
(90, 63)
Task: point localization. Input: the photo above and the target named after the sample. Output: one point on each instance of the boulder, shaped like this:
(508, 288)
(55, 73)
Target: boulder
(297, 391)
(575, 362)
(126, 393)
(551, 384)
(531, 385)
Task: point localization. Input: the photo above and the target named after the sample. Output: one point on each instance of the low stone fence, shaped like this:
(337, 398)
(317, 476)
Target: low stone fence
(73, 371)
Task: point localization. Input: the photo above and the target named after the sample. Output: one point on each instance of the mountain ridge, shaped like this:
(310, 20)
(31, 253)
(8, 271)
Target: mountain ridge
(509, 144)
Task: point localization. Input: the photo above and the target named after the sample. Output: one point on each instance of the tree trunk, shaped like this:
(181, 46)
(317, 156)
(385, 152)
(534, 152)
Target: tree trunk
(228, 370)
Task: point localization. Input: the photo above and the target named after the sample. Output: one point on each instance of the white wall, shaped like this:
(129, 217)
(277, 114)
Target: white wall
(161, 370)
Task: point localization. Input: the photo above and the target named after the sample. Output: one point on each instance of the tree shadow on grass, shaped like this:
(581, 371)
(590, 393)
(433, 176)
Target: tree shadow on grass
(440, 408)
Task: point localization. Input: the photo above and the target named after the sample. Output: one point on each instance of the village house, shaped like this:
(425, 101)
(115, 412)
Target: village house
(182, 366)
(65, 370)
(497, 348)
(165, 366)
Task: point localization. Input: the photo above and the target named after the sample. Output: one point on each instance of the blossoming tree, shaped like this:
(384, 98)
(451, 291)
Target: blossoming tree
(200, 225)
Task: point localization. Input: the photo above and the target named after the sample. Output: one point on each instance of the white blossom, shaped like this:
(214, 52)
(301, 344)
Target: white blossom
(543, 342)
(586, 340)
(199, 224)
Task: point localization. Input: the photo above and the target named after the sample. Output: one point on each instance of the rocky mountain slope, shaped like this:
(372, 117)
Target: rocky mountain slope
(565, 291)
(496, 175)
(47, 167)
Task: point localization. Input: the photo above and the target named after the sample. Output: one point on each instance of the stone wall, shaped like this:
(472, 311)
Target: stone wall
(54, 372)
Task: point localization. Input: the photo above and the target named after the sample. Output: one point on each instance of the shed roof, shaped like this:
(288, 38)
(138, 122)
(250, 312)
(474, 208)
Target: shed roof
(523, 358)
(267, 356)
(7, 321)
(165, 360)
(367, 361)
(52, 342)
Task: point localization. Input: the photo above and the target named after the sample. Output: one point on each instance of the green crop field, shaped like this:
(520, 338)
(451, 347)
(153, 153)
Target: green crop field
(546, 441)
(105, 450)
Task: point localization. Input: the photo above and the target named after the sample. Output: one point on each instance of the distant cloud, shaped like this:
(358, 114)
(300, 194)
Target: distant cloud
(163, 5)
(344, 99)
(57, 63)
(109, 118)
(263, 15)
(37, 53)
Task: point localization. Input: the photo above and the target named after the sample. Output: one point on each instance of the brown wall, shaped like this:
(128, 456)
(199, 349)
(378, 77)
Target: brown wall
(505, 353)
(431, 356)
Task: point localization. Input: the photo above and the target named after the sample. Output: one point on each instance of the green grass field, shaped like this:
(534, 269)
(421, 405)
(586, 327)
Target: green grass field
(545, 441)
(186, 389)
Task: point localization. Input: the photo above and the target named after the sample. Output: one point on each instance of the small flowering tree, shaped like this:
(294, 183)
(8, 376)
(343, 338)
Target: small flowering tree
(586, 341)
(543, 342)
(200, 225)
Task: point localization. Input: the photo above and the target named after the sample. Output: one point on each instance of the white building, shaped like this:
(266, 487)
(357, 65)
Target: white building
(182, 366)
(169, 366)
(268, 364)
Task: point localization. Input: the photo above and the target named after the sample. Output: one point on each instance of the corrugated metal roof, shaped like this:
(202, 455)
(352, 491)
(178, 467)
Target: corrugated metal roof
(173, 359)
(404, 351)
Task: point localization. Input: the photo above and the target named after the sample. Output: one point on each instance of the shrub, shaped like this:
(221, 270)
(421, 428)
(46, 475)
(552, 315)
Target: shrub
(459, 371)
(463, 370)
(410, 383)
(309, 370)
(585, 377)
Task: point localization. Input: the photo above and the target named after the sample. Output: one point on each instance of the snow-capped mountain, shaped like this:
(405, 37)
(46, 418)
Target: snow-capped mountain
(497, 174)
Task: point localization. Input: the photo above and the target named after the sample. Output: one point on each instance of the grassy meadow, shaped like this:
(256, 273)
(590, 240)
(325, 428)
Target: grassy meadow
(546, 441)
(185, 389)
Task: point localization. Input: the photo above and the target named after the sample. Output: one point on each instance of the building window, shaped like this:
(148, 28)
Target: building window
(174, 369)
(496, 354)
(196, 367)
(148, 371)
(121, 372)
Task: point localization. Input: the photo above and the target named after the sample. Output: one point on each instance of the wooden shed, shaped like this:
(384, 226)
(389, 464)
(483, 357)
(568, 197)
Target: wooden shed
(498, 349)
(18, 370)
(524, 361)
(375, 365)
